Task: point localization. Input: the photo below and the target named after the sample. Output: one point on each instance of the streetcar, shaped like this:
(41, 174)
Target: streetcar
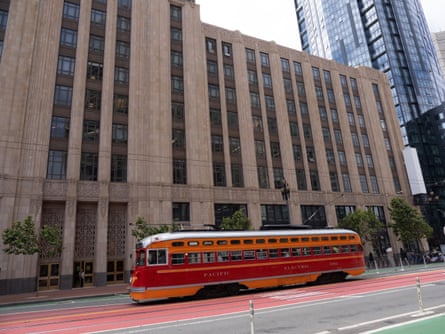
(211, 263)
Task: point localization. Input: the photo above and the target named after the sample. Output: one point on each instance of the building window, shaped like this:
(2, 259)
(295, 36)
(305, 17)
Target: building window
(122, 50)
(63, 95)
(330, 156)
(176, 59)
(274, 215)
(297, 152)
(181, 212)
(227, 49)
(285, 65)
(71, 11)
(267, 80)
(93, 99)
(346, 183)
(176, 34)
(260, 149)
(228, 72)
(177, 85)
(369, 161)
(98, 17)
(315, 181)
(254, 100)
(301, 179)
(278, 177)
(230, 95)
(119, 133)
(3, 20)
(90, 130)
(263, 178)
(215, 118)
(270, 103)
(257, 123)
(65, 65)
(56, 165)
(175, 13)
(178, 139)
(253, 78)
(68, 38)
(232, 120)
(342, 158)
(235, 145)
(177, 112)
(272, 125)
(211, 45)
(355, 140)
(374, 184)
(307, 131)
(331, 96)
(250, 56)
(118, 168)
(88, 166)
(124, 4)
(94, 71)
(121, 75)
(326, 135)
(364, 183)
(287, 86)
(335, 186)
(97, 44)
(264, 59)
(334, 115)
(237, 175)
(275, 150)
(304, 111)
(294, 129)
(123, 24)
(60, 127)
(338, 136)
(120, 103)
(213, 92)
(297, 68)
(291, 110)
(217, 144)
(179, 172)
(300, 89)
(219, 174)
(359, 160)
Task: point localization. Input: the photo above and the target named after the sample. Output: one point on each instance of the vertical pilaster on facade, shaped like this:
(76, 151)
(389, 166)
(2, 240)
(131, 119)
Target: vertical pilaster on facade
(100, 258)
(69, 240)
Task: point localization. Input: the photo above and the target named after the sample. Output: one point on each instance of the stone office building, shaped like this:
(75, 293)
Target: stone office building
(114, 110)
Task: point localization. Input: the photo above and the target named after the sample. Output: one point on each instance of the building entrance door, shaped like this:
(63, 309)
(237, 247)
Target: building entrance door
(48, 276)
(83, 273)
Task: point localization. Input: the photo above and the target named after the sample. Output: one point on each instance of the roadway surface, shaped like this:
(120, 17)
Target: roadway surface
(368, 305)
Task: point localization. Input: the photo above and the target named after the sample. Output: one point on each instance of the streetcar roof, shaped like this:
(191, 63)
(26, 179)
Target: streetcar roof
(236, 234)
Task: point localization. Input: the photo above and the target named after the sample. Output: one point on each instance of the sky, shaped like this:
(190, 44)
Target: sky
(275, 20)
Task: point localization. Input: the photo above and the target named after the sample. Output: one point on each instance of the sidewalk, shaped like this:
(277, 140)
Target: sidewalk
(54, 295)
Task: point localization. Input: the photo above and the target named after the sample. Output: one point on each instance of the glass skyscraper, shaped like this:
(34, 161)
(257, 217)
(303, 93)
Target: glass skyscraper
(391, 36)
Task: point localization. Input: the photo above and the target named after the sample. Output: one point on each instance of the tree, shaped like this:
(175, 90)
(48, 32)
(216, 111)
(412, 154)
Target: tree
(238, 221)
(365, 223)
(21, 239)
(143, 229)
(409, 225)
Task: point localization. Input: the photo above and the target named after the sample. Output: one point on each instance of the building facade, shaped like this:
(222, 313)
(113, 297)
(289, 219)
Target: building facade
(439, 44)
(114, 110)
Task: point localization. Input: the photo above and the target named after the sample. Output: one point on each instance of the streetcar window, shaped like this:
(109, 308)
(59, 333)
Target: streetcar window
(296, 251)
(140, 258)
(304, 239)
(208, 257)
(353, 248)
(272, 241)
(235, 242)
(236, 255)
(194, 258)
(157, 256)
(325, 238)
(248, 241)
(294, 240)
(193, 243)
(343, 237)
(273, 252)
(177, 243)
(351, 237)
(344, 248)
(334, 238)
(223, 256)
(261, 254)
(284, 252)
(260, 241)
(306, 251)
(315, 238)
(222, 242)
(336, 249)
(207, 242)
(249, 255)
(178, 258)
(317, 250)
(284, 240)
(326, 250)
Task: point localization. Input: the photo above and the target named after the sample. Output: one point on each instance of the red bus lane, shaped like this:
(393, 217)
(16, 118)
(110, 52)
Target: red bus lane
(99, 318)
